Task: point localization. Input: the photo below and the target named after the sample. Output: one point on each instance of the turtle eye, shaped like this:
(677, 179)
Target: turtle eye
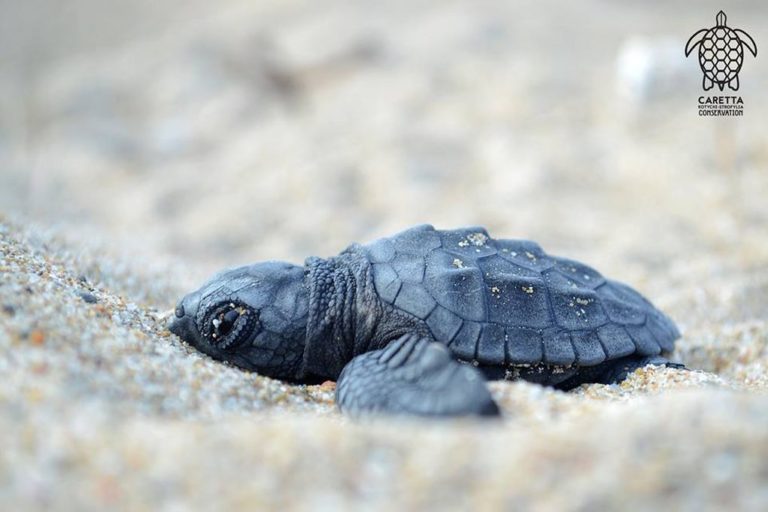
(227, 325)
(222, 325)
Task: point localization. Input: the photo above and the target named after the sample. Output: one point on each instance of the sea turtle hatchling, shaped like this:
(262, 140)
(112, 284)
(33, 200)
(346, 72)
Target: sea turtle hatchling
(416, 322)
(721, 53)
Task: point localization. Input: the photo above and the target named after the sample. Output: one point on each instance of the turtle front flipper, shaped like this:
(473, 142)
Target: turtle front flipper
(413, 375)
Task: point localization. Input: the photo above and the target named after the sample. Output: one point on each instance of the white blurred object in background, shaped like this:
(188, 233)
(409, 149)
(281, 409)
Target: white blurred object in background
(649, 69)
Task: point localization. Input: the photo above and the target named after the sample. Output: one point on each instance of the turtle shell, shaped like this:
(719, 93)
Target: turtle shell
(721, 54)
(507, 302)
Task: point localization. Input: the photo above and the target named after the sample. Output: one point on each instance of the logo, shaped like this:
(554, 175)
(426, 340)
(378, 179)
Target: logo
(721, 53)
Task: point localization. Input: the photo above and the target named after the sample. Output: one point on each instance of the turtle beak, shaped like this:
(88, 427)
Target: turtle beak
(183, 328)
(178, 326)
(183, 322)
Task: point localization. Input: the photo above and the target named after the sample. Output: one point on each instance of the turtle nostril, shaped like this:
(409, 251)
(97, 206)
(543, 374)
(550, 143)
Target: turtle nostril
(179, 312)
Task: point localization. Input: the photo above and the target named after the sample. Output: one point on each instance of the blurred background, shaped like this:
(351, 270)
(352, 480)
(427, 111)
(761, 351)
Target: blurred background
(219, 133)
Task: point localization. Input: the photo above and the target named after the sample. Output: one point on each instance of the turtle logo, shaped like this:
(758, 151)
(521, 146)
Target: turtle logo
(721, 53)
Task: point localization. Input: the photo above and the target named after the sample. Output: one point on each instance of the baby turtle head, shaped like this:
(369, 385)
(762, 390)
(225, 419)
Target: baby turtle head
(253, 316)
